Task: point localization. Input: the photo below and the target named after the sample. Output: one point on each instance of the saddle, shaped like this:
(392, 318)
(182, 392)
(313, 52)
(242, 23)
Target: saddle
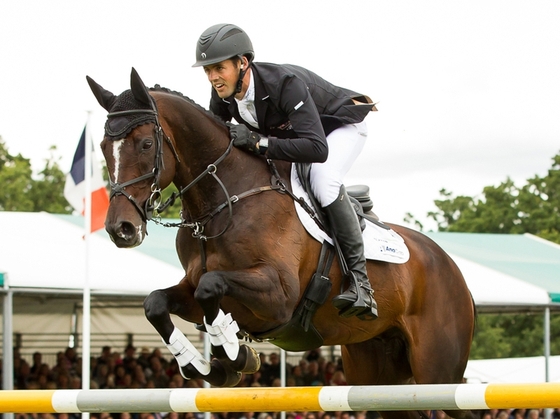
(358, 194)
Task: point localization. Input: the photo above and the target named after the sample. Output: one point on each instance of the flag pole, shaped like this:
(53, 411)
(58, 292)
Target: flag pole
(86, 317)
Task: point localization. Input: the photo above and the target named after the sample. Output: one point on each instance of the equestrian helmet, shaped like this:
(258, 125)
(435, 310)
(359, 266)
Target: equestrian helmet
(222, 42)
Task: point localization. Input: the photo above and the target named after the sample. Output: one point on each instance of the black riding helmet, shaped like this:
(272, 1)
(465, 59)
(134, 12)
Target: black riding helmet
(222, 42)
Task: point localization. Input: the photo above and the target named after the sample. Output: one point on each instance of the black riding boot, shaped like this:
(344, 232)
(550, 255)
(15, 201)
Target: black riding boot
(358, 299)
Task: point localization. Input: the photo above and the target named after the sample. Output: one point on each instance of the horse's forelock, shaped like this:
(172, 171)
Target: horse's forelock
(120, 126)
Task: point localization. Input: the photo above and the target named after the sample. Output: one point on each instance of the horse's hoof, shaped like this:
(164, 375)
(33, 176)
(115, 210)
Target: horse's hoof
(229, 377)
(189, 372)
(247, 361)
(252, 360)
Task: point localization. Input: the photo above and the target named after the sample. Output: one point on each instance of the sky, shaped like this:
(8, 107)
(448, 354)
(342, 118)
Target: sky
(468, 92)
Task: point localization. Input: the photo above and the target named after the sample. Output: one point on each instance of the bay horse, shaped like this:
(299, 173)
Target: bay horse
(248, 259)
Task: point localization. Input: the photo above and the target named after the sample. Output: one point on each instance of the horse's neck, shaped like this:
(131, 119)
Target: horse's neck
(202, 141)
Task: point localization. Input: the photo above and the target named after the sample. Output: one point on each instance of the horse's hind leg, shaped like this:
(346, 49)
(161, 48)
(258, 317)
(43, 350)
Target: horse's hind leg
(380, 361)
(442, 352)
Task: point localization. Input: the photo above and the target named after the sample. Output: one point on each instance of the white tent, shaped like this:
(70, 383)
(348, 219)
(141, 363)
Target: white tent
(42, 257)
(494, 289)
(512, 370)
(40, 251)
(514, 260)
(44, 251)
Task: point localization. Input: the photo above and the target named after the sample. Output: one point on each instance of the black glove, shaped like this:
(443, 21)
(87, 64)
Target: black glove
(244, 138)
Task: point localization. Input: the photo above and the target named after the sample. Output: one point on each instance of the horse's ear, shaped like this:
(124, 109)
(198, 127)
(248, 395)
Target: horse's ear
(139, 89)
(105, 98)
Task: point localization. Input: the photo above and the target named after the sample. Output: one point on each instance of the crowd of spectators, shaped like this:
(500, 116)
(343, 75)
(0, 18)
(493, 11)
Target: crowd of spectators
(150, 369)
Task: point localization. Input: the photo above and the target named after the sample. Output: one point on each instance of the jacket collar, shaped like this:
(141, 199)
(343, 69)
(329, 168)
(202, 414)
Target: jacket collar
(261, 100)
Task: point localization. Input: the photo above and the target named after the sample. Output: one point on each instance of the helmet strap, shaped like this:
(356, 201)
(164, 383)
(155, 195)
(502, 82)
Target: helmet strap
(240, 81)
(242, 73)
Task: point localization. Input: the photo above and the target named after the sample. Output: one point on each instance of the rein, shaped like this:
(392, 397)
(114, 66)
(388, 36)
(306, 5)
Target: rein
(154, 205)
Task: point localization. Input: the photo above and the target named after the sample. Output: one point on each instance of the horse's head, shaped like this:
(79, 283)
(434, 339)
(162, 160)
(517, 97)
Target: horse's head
(133, 148)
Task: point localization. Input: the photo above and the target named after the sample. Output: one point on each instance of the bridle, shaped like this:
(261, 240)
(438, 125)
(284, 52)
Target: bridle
(154, 204)
(154, 201)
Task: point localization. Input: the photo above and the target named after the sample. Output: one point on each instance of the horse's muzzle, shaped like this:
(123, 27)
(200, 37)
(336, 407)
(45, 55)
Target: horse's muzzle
(126, 234)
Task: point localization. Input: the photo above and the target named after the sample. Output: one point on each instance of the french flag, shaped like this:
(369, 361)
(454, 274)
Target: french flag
(75, 187)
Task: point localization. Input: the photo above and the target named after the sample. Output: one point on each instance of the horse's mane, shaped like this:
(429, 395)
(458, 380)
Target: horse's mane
(158, 88)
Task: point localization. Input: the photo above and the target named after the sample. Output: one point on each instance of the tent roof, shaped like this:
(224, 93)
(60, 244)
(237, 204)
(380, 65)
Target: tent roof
(45, 251)
(513, 370)
(159, 243)
(525, 257)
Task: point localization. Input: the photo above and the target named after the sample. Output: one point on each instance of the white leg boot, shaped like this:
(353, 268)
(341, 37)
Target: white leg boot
(185, 353)
(223, 332)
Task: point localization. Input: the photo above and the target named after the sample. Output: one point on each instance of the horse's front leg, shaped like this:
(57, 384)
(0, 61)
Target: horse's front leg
(259, 300)
(179, 300)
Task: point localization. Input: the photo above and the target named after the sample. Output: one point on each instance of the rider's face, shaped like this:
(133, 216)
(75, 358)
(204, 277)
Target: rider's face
(223, 76)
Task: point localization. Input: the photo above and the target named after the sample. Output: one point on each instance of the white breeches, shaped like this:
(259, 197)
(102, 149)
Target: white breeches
(345, 145)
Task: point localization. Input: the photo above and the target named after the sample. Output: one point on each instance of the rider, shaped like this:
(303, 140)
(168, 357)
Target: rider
(289, 113)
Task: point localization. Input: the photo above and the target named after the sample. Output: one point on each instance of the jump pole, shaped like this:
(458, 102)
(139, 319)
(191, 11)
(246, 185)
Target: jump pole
(277, 399)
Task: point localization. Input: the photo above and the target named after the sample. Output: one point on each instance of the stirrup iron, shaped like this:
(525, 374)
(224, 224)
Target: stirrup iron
(361, 308)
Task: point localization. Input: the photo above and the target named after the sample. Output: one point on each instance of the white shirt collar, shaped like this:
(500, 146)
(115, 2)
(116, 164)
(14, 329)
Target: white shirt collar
(246, 106)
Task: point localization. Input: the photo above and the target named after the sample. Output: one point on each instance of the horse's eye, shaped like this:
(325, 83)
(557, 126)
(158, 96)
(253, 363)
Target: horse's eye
(147, 144)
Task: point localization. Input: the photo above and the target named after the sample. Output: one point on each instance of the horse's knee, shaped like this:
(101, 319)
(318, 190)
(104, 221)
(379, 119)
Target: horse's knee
(156, 306)
(209, 289)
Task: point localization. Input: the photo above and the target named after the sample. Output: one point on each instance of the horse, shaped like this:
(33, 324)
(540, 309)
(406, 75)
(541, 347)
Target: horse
(248, 260)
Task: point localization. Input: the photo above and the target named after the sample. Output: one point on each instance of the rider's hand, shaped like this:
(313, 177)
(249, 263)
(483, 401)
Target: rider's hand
(244, 138)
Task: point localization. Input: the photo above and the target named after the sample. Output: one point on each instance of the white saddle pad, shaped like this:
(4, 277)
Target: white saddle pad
(380, 244)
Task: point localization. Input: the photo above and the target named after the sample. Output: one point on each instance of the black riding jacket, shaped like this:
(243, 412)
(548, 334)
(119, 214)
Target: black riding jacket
(296, 109)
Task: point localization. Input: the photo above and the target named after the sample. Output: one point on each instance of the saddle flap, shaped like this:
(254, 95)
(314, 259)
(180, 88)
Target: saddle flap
(381, 242)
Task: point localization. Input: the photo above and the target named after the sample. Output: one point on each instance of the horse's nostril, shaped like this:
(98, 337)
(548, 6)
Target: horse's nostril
(126, 230)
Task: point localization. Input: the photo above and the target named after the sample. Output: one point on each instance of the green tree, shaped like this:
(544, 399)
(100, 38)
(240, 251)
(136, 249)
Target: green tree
(21, 192)
(15, 178)
(513, 335)
(47, 192)
(539, 204)
(173, 211)
(532, 208)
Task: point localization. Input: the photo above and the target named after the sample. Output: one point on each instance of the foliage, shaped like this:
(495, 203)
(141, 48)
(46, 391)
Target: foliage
(508, 209)
(532, 208)
(513, 335)
(22, 192)
(173, 211)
